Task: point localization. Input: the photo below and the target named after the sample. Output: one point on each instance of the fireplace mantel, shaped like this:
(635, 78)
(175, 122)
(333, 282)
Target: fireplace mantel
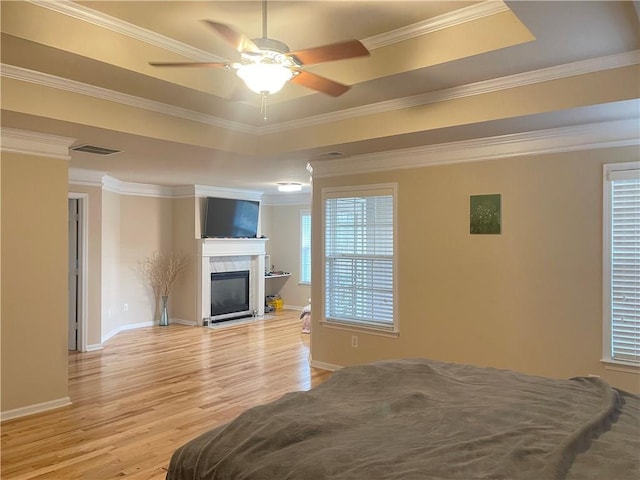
(211, 249)
(220, 247)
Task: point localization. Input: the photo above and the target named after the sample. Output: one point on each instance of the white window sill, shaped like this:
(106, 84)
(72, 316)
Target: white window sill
(350, 327)
(618, 366)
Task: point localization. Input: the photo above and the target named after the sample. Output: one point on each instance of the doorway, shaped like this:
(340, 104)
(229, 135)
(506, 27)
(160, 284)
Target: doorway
(77, 205)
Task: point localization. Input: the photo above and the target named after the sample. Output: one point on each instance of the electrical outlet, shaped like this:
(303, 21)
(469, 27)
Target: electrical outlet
(126, 307)
(354, 341)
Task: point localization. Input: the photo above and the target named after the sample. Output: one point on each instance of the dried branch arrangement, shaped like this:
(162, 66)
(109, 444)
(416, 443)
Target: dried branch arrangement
(162, 270)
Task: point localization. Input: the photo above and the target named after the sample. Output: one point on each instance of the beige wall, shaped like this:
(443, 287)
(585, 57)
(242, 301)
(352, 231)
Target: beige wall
(529, 299)
(281, 224)
(200, 212)
(145, 227)
(184, 296)
(34, 280)
(266, 217)
(122, 230)
(133, 227)
(110, 262)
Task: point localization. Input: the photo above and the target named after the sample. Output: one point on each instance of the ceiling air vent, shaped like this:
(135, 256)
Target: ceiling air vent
(331, 155)
(94, 149)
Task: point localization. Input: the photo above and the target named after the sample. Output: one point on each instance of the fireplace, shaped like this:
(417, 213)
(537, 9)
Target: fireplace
(229, 295)
(224, 255)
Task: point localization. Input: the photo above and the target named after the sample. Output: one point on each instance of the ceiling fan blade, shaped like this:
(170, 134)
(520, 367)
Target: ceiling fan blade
(237, 40)
(189, 64)
(321, 84)
(329, 53)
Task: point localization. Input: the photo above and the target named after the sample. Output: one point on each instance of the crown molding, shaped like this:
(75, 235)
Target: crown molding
(119, 26)
(137, 189)
(111, 184)
(430, 25)
(141, 34)
(95, 178)
(617, 133)
(224, 192)
(184, 191)
(478, 88)
(89, 178)
(511, 81)
(287, 199)
(52, 81)
(35, 143)
(188, 191)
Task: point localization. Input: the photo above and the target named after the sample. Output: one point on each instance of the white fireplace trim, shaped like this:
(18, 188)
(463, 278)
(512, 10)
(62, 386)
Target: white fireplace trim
(214, 253)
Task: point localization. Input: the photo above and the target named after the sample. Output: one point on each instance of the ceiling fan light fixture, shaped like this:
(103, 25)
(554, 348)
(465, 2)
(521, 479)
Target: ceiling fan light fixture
(264, 77)
(289, 187)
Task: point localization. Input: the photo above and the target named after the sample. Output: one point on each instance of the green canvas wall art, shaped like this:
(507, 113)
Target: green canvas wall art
(485, 214)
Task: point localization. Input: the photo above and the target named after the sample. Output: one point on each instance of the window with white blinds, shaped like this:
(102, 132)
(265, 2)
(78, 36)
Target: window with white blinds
(622, 263)
(359, 262)
(305, 246)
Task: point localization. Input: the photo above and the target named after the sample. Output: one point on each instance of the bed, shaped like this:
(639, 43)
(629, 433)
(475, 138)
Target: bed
(422, 419)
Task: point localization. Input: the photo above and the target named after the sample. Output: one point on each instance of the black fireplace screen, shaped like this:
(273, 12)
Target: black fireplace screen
(229, 293)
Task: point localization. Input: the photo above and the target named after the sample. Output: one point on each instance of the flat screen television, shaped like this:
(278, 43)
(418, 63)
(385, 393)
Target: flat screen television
(228, 217)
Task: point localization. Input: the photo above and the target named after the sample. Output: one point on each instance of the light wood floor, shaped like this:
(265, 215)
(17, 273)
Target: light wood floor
(149, 391)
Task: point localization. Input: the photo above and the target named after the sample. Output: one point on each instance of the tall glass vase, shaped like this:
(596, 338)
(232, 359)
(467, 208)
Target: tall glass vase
(164, 317)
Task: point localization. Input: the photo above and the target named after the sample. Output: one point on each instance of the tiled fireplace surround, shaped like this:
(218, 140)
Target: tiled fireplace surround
(228, 255)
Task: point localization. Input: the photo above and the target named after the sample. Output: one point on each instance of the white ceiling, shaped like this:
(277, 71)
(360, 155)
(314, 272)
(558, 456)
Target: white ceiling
(80, 69)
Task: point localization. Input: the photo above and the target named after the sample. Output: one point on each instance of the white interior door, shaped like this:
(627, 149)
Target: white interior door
(73, 273)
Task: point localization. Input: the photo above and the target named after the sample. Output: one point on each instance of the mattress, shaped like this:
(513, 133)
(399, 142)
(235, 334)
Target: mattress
(423, 419)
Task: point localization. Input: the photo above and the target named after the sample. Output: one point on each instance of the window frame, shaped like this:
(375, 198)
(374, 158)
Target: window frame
(607, 340)
(353, 325)
(301, 279)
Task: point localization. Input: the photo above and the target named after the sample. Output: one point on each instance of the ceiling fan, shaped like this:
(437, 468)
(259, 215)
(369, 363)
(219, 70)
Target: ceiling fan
(267, 64)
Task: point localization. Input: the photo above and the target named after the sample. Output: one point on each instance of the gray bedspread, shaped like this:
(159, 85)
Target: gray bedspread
(422, 419)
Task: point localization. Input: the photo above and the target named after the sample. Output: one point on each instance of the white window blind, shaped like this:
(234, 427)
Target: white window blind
(305, 246)
(359, 258)
(623, 255)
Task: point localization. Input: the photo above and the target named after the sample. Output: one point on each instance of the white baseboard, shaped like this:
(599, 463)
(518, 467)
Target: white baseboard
(292, 307)
(122, 328)
(33, 409)
(133, 326)
(112, 333)
(182, 321)
(323, 365)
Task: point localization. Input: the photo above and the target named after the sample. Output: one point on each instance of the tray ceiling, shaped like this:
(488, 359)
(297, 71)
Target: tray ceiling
(438, 72)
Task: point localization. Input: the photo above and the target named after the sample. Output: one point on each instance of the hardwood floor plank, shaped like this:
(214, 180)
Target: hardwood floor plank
(151, 390)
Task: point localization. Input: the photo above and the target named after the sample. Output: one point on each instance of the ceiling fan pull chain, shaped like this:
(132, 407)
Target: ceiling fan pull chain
(263, 105)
